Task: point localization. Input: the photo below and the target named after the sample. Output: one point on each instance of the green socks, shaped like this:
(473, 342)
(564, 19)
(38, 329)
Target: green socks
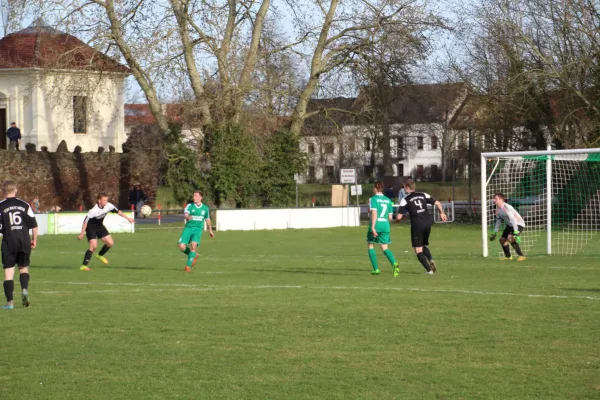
(190, 259)
(390, 256)
(186, 251)
(373, 259)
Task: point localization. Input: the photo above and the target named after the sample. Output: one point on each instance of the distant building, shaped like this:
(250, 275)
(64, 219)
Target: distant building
(348, 133)
(55, 87)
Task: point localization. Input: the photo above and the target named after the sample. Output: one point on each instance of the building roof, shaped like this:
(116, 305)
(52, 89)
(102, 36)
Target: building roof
(407, 104)
(40, 46)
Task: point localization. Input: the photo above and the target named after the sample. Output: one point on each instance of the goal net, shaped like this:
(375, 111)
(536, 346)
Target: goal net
(556, 192)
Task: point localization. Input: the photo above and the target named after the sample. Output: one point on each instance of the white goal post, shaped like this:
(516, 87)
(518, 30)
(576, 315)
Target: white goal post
(557, 192)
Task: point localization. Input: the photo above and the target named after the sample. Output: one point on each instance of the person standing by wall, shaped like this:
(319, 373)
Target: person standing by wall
(14, 137)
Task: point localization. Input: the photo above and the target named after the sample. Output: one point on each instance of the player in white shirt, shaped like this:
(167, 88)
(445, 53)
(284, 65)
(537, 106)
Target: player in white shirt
(514, 226)
(93, 227)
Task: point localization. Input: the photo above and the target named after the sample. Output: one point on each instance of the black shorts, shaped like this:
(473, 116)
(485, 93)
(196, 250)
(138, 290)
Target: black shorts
(509, 230)
(419, 234)
(96, 232)
(12, 258)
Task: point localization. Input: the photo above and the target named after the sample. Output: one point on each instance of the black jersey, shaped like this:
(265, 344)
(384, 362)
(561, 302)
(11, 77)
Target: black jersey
(95, 217)
(415, 203)
(16, 219)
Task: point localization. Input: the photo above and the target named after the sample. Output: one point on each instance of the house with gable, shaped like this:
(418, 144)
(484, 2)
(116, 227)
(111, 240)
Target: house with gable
(55, 87)
(347, 133)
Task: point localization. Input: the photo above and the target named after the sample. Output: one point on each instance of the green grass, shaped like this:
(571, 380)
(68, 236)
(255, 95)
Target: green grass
(296, 315)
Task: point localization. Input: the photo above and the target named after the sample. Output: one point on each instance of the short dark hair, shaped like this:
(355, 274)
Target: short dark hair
(378, 186)
(500, 195)
(101, 195)
(410, 184)
(199, 192)
(13, 123)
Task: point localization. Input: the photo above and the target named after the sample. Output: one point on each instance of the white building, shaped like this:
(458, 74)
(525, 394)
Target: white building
(55, 88)
(344, 134)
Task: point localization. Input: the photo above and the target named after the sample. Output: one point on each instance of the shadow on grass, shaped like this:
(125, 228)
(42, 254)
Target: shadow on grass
(593, 290)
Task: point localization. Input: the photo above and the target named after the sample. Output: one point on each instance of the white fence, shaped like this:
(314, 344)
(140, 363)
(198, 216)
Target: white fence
(287, 218)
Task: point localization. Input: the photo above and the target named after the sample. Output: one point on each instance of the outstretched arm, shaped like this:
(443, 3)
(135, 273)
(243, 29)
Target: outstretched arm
(442, 213)
(131, 220)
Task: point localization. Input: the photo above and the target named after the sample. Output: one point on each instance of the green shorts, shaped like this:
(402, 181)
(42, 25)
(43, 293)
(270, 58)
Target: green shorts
(190, 235)
(382, 237)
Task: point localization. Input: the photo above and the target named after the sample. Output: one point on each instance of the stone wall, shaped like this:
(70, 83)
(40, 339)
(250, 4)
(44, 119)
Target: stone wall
(71, 180)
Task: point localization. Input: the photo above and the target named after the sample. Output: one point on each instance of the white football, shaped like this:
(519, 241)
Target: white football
(146, 210)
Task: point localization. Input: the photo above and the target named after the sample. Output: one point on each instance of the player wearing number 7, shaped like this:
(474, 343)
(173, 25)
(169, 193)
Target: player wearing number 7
(420, 222)
(514, 227)
(380, 211)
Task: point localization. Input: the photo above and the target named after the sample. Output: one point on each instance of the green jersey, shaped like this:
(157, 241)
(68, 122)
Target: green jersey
(198, 213)
(384, 207)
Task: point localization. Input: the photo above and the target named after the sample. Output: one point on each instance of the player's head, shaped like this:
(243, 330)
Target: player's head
(198, 195)
(409, 185)
(378, 187)
(499, 199)
(102, 199)
(9, 188)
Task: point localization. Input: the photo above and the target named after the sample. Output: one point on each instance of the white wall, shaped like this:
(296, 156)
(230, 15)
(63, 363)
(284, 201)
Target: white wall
(41, 103)
(292, 218)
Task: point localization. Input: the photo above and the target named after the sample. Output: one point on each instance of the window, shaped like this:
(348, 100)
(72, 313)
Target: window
(311, 173)
(311, 148)
(419, 142)
(434, 143)
(400, 169)
(400, 143)
(79, 114)
(351, 145)
(328, 148)
(419, 172)
(329, 172)
(368, 171)
(367, 144)
(434, 172)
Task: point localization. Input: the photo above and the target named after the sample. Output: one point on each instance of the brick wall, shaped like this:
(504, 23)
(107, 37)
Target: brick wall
(71, 180)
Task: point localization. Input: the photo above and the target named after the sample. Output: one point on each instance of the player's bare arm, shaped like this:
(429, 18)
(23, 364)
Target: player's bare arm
(373, 221)
(34, 234)
(441, 210)
(83, 228)
(131, 220)
(210, 231)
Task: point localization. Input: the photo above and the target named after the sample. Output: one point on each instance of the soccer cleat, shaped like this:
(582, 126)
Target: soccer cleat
(187, 269)
(375, 272)
(505, 258)
(85, 268)
(396, 269)
(428, 272)
(8, 307)
(195, 259)
(102, 258)
(521, 258)
(432, 265)
(25, 299)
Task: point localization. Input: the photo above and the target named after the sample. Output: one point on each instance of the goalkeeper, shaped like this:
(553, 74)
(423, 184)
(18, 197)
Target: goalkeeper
(514, 227)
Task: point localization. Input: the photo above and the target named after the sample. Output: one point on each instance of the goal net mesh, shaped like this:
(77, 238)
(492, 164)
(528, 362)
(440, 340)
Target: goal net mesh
(575, 200)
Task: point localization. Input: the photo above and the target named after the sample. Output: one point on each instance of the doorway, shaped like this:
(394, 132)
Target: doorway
(3, 128)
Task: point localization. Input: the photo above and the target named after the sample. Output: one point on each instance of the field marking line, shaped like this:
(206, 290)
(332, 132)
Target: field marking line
(225, 287)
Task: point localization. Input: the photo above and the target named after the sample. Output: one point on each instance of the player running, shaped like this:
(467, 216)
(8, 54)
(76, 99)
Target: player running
(381, 211)
(16, 219)
(196, 214)
(415, 203)
(514, 226)
(93, 228)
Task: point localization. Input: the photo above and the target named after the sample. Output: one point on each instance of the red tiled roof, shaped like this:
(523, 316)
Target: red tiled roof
(43, 47)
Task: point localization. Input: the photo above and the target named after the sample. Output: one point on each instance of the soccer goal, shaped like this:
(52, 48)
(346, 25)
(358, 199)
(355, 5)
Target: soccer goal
(557, 192)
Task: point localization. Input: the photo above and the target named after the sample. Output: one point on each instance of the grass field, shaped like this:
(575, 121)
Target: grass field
(296, 315)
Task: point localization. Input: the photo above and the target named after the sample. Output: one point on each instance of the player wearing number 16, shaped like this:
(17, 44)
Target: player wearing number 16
(381, 211)
(420, 222)
(16, 219)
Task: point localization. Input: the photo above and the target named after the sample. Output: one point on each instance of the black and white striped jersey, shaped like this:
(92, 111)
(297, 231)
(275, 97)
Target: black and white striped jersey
(16, 219)
(95, 217)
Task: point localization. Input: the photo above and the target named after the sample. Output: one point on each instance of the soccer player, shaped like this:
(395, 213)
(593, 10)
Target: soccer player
(514, 226)
(16, 219)
(381, 211)
(415, 203)
(93, 228)
(196, 214)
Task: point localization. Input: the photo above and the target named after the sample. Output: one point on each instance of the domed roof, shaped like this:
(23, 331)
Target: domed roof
(40, 46)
